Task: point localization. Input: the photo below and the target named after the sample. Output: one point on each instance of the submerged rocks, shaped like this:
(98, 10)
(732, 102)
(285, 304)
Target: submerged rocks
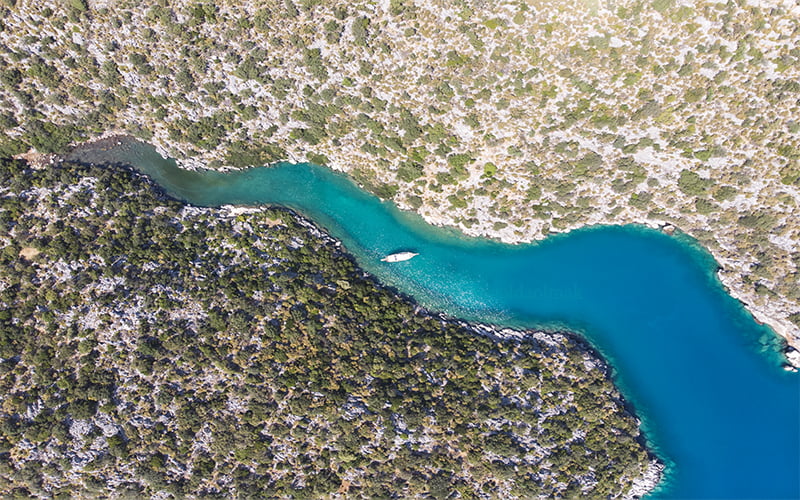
(792, 358)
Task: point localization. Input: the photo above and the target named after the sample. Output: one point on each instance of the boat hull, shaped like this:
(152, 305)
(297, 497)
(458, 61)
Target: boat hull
(399, 257)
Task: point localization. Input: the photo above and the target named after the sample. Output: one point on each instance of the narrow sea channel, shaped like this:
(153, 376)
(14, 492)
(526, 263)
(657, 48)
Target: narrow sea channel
(704, 377)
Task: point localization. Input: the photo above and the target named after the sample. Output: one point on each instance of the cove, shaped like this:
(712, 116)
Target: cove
(703, 376)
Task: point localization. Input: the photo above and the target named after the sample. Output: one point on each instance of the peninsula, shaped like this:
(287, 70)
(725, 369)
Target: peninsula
(149, 348)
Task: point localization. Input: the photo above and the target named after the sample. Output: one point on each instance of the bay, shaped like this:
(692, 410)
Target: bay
(701, 373)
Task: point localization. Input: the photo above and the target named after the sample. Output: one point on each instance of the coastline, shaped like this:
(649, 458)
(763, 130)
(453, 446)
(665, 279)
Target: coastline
(655, 473)
(649, 145)
(513, 123)
(771, 314)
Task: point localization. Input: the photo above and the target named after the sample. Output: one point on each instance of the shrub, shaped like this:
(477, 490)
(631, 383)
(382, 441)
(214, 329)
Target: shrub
(692, 184)
(457, 201)
(385, 191)
(703, 155)
(79, 5)
(763, 222)
(109, 74)
(11, 78)
(640, 200)
(459, 159)
(359, 30)
(409, 171)
(312, 59)
(318, 159)
(705, 207)
(12, 147)
(47, 137)
(245, 153)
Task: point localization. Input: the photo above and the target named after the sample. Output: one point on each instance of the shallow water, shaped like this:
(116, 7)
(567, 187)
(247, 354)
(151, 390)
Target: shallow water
(704, 377)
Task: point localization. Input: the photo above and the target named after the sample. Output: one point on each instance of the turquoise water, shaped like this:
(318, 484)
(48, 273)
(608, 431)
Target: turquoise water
(717, 406)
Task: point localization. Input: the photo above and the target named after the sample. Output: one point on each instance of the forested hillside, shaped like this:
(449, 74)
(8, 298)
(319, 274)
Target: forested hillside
(149, 348)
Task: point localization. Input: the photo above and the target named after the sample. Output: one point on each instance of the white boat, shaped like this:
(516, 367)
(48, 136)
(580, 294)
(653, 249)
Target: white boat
(399, 257)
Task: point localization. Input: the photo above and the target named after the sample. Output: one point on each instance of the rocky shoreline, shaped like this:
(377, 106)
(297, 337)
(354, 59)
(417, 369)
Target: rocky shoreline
(648, 482)
(655, 473)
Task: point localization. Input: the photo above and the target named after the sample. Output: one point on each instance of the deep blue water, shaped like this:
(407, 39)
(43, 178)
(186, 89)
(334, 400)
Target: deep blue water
(704, 377)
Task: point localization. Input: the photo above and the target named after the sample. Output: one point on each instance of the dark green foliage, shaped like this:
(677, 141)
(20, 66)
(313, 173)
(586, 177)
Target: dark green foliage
(359, 30)
(251, 69)
(457, 201)
(206, 132)
(459, 160)
(764, 222)
(692, 184)
(311, 135)
(248, 154)
(410, 126)
(47, 74)
(649, 110)
(185, 80)
(705, 207)
(140, 63)
(589, 163)
(12, 147)
(333, 32)
(291, 9)
(318, 159)
(47, 137)
(703, 155)
(312, 59)
(11, 78)
(409, 171)
(262, 20)
(78, 5)
(109, 74)
(385, 191)
(203, 13)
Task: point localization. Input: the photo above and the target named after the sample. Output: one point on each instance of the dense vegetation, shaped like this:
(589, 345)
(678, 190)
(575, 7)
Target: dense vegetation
(150, 348)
